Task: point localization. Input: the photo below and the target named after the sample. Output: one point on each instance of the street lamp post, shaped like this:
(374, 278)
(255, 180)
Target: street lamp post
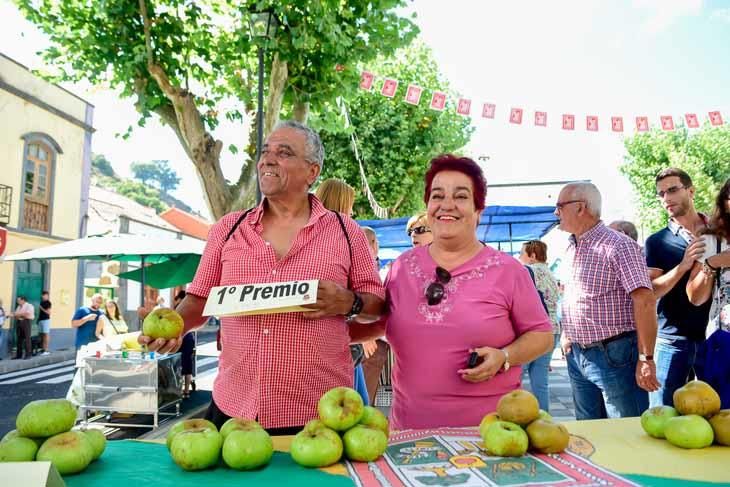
(263, 25)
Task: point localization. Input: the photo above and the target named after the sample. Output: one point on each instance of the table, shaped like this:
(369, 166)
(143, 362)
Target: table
(619, 445)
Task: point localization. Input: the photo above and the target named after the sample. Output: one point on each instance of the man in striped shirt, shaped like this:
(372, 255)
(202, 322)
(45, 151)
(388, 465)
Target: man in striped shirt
(609, 312)
(274, 368)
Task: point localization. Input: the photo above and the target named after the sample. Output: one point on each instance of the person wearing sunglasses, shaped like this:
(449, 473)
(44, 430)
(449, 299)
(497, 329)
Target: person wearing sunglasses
(417, 228)
(609, 312)
(453, 298)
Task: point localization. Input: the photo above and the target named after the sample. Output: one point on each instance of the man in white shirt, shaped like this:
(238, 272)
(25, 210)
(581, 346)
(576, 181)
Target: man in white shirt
(23, 315)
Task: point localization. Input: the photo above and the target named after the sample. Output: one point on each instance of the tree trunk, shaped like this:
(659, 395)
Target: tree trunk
(301, 111)
(277, 86)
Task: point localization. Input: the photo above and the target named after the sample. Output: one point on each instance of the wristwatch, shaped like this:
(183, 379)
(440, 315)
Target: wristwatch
(357, 305)
(645, 358)
(506, 365)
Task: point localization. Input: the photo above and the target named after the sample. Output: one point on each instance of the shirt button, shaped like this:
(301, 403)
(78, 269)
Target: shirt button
(274, 272)
(268, 244)
(266, 331)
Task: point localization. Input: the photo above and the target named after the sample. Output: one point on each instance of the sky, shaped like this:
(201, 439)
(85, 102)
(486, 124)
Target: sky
(587, 57)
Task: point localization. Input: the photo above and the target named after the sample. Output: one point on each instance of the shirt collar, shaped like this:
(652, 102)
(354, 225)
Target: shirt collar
(590, 234)
(675, 227)
(316, 207)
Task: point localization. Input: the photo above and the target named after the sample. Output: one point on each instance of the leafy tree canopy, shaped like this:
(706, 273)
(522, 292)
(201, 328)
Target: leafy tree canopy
(193, 62)
(396, 140)
(703, 154)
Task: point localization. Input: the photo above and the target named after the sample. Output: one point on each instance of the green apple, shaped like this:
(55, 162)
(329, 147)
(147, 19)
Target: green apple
(14, 434)
(98, 441)
(316, 445)
(519, 407)
(18, 449)
(364, 443)
(691, 431)
(654, 420)
(44, 418)
(196, 449)
(69, 452)
(373, 417)
(720, 423)
(163, 323)
(340, 408)
(247, 449)
(547, 436)
(542, 414)
(188, 424)
(487, 422)
(505, 439)
(238, 424)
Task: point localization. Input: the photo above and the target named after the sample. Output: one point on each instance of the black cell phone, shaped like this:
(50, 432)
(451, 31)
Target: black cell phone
(473, 360)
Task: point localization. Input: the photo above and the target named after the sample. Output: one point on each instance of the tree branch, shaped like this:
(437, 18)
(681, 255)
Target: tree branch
(277, 85)
(147, 28)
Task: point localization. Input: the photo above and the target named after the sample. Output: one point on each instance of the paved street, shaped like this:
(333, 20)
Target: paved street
(52, 381)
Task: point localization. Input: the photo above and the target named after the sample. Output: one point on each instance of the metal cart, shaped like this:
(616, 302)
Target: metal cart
(136, 385)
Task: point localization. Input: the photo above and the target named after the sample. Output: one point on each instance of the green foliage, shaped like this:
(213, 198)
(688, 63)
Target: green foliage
(704, 155)
(144, 195)
(102, 164)
(158, 172)
(396, 140)
(206, 46)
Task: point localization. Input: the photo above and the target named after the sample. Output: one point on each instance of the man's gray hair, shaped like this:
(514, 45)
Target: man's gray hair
(314, 147)
(589, 193)
(369, 230)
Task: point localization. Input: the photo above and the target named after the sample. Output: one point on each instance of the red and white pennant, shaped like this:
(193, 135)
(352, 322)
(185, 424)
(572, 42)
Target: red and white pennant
(414, 94)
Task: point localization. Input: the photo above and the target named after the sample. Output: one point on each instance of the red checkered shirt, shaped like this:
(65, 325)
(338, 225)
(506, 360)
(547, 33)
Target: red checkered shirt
(276, 367)
(605, 267)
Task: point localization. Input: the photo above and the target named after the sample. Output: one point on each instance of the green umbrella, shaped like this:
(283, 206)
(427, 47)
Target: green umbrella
(174, 272)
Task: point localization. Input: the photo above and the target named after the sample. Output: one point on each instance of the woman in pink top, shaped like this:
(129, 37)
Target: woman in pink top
(454, 297)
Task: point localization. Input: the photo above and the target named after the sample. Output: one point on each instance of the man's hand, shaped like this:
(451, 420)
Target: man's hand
(646, 375)
(160, 345)
(90, 317)
(494, 359)
(692, 253)
(565, 344)
(332, 300)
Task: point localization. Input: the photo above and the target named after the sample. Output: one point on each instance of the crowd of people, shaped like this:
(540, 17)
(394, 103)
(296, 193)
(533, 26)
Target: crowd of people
(461, 319)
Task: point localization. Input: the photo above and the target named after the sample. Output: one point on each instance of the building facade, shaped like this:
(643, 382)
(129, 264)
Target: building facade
(45, 164)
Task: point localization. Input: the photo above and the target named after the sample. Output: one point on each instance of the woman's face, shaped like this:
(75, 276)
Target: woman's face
(525, 258)
(451, 210)
(420, 234)
(110, 307)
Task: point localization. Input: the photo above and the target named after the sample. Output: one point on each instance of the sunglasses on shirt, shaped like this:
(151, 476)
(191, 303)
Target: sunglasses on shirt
(418, 230)
(435, 291)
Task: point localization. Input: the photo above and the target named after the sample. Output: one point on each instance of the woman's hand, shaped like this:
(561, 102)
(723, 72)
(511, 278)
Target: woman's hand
(493, 358)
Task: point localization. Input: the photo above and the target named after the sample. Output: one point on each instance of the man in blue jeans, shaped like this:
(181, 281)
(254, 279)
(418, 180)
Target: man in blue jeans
(609, 312)
(670, 254)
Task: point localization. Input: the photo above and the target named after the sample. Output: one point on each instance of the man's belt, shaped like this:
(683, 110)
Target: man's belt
(606, 341)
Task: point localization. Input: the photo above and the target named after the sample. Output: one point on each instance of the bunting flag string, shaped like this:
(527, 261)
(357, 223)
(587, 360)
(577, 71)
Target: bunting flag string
(438, 100)
(378, 210)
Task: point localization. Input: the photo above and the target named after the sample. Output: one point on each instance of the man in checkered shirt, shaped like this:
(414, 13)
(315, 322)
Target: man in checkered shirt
(274, 368)
(609, 312)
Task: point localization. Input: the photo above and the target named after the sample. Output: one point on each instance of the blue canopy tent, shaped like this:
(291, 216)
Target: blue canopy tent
(500, 226)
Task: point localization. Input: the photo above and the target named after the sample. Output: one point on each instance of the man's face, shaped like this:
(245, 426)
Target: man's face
(374, 245)
(96, 302)
(568, 210)
(44, 296)
(283, 169)
(675, 198)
